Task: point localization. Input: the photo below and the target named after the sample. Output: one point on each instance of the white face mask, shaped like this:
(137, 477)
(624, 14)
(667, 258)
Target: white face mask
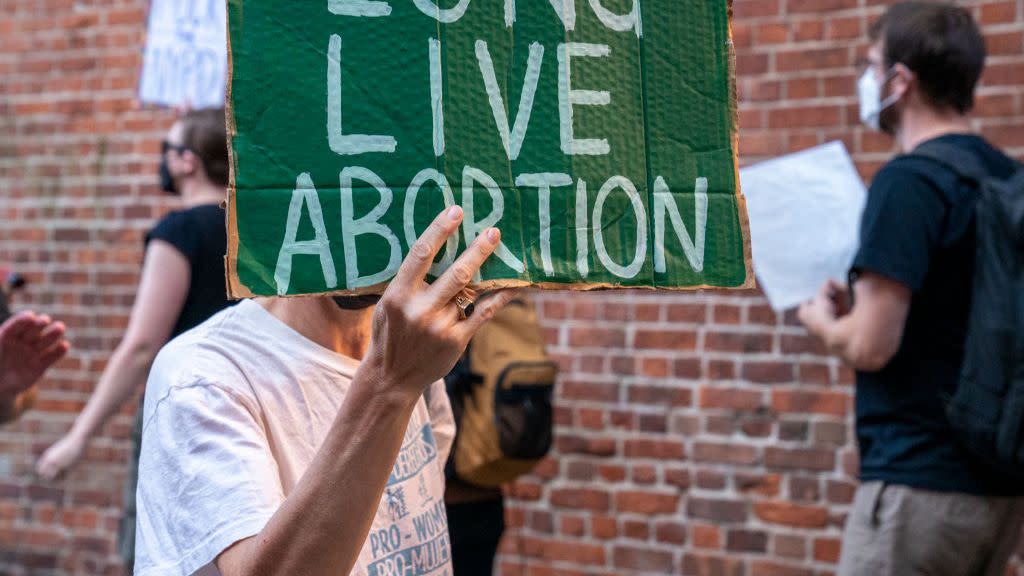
(869, 90)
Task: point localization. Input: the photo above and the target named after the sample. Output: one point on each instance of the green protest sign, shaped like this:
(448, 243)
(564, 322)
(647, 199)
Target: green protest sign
(598, 135)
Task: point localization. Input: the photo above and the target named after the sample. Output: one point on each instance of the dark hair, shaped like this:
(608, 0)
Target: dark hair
(940, 43)
(204, 133)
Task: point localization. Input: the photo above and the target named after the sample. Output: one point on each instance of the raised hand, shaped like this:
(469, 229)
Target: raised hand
(29, 345)
(418, 331)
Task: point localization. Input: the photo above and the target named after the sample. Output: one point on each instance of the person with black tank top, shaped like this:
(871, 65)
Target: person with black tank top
(926, 504)
(181, 285)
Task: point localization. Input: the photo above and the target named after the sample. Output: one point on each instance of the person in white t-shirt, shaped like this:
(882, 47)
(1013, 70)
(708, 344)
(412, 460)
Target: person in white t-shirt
(309, 435)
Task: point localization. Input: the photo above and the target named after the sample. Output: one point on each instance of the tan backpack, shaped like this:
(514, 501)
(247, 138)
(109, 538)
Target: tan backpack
(501, 393)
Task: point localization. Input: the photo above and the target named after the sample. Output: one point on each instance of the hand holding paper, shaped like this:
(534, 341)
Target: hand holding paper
(805, 213)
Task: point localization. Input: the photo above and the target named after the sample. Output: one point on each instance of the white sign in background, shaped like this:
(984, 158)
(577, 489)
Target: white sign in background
(185, 62)
(805, 211)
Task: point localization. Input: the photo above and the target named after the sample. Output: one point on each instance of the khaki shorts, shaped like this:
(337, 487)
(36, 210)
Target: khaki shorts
(894, 530)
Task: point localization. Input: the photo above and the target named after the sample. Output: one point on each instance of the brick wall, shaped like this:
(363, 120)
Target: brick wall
(703, 434)
(697, 433)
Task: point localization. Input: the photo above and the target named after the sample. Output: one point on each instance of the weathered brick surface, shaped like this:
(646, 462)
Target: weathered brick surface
(761, 416)
(697, 433)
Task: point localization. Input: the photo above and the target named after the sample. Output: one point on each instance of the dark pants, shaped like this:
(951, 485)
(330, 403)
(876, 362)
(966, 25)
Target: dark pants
(475, 530)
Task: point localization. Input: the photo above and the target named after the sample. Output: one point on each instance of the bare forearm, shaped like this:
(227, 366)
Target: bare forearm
(127, 370)
(322, 525)
(842, 339)
(836, 336)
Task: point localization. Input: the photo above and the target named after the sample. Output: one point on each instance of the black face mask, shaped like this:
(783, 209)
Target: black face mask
(167, 183)
(361, 302)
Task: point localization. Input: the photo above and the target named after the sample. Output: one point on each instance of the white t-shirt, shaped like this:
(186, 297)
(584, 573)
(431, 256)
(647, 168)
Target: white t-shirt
(235, 411)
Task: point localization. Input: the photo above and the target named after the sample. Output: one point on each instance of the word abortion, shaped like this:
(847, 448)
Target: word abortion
(305, 202)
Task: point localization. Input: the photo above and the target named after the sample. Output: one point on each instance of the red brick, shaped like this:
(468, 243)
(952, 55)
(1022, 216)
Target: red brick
(998, 12)
(762, 484)
(794, 515)
(767, 568)
(661, 395)
(572, 526)
(772, 33)
(713, 565)
(715, 398)
(827, 550)
(768, 372)
(839, 492)
(719, 511)
(670, 532)
(804, 489)
(812, 59)
(647, 503)
(581, 499)
(747, 541)
(636, 530)
(736, 454)
(712, 480)
(603, 527)
(597, 338)
(687, 313)
(705, 536)
(743, 9)
(810, 402)
(800, 458)
(804, 117)
(665, 340)
(657, 449)
(746, 342)
(643, 559)
(589, 391)
(789, 546)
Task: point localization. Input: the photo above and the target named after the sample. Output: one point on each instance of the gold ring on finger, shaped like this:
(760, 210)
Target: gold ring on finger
(465, 305)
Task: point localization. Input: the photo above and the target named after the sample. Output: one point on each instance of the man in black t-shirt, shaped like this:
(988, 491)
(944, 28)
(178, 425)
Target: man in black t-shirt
(925, 505)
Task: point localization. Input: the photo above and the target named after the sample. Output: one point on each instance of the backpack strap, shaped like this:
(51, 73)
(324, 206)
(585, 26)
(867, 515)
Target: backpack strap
(963, 163)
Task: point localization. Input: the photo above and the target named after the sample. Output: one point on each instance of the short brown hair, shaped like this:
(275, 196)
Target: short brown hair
(940, 43)
(204, 133)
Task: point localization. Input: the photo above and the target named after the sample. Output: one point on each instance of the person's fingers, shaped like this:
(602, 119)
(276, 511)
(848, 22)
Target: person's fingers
(31, 336)
(452, 313)
(422, 253)
(50, 335)
(803, 311)
(16, 326)
(486, 308)
(461, 273)
(54, 353)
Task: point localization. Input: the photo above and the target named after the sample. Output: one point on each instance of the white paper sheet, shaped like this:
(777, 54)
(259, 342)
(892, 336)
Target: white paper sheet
(805, 211)
(186, 60)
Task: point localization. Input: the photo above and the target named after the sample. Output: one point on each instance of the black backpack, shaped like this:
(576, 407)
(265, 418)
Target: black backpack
(501, 394)
(987, 408)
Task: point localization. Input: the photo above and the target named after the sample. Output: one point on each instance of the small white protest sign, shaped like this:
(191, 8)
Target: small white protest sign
(805, 211)
(185, 62)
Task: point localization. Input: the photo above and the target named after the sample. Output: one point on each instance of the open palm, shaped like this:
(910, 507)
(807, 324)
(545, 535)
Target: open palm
(29, 345)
